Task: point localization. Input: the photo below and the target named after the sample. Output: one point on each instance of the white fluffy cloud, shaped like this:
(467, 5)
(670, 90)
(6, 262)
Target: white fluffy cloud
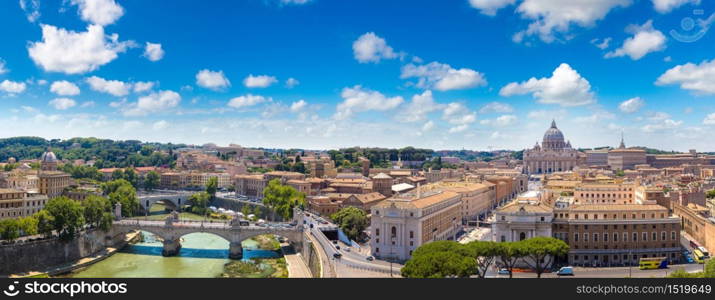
(292, 82)
(159, 125)
(260, 81)
(358, 99)
(709, 119)
(418, 108)
(153, 52)
(214, 80)
(370, 48)
(298, 106)
(661, 126)
(698, 78)
(99, 12)
(140, 87)
(31, 9)
(459, 116)
(645, 39)
(443, 77)
(490, 7)
(496, 107)
(64, 88)
(73, 52)
(551, 17)
(501, 121)
(631, 105)
(666, 6)
(247, 100)
(565, 87)
(113, 87)
(62, 103)
(12, 87)
(153, 103)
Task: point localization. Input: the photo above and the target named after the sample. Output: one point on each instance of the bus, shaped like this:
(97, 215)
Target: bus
(650, 263)
(700, 256)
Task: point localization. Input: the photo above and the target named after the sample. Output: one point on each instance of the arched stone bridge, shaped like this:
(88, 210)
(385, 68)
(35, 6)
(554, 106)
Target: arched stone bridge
(176, 198)
(171, 230)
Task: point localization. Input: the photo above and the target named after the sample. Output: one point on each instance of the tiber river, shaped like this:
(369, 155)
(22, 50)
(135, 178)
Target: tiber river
(202, 255)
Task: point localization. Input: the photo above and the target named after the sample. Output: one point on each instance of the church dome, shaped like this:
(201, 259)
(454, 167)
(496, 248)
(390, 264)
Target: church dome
(48, 157)
(553, 138)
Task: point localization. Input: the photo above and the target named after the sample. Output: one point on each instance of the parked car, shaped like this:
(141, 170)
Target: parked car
(565, 271)
(337, 247)
(503, 271)
(370, 258)
(337, 255)
(347, 249)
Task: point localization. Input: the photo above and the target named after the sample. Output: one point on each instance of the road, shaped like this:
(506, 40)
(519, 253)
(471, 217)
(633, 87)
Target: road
(351, 264)
(613, 272)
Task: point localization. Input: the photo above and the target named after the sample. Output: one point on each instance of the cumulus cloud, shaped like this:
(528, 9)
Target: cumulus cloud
(556, 17)
(661, 126)
(260, 81)
(292, 82)
(64, 88)
(418, 109)
(565, 87)
(443, 77)
(159, 125)
(698, 78)
(666, 6)
(140, 87)
(459, 116)
(358, 99)
(490, 7)
(645, 39)
(631, 105)
(709, 119)
(31, 9)
(501, 121)
(73, 52)
(12, 87)
(62, 103)
(370, 48)
(99, 12)
(213, 80)
(298, 106)
(153, 103)
(247, 100)
(113, 87)
(153, 52)
(496, 107)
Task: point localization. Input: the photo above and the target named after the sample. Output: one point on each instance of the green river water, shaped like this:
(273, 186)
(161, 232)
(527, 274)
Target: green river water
(202, 255)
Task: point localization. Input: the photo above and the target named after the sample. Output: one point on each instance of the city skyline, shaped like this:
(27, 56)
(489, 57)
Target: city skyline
(315, 74)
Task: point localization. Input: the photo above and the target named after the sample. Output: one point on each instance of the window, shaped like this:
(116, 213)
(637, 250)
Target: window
(605, 236)
(672, 235)
(654, 236)
(635, 236)
(503, 238)
(575, 237)
(377, 231)
(377, 250)
(585, 237)
(645, 236)
(522, 236)
(394, 231)
(615, 236)
(595, 237)
(412, 234)
(503, 218)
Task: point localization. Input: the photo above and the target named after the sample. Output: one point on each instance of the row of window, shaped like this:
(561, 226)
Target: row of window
(634, 236)
(614, 216)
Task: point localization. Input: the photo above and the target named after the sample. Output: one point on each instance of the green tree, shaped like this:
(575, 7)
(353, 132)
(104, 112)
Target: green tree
(152, 180)
(117, 174)
(245, 210)
(9, 229)
(126, 195)
(710, 194)
(45, 223)
(439, 260)
(257, 212)
(200, 203)
(95, 208)
(211, 187)
(28, 225)
(484, 253)
(281, 199)
(67, 216)
(352, 221)
(541, 252)
(509, 253)
(131, 175)
(112, 186)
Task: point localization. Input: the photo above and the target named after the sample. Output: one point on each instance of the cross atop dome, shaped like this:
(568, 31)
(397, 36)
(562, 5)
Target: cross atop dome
(553, 123)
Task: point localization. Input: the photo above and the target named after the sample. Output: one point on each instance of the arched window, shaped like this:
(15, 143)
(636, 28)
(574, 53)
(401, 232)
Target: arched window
(394, 231)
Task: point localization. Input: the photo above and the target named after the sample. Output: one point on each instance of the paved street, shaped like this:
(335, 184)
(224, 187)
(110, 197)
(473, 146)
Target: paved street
(615, 272)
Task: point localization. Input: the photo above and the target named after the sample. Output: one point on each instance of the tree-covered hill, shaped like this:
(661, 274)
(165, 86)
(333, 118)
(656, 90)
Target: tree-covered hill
(106, 153)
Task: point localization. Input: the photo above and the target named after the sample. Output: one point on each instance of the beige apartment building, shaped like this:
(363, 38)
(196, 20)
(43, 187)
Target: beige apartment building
(698, 222)
(250, 185)
(17, 203)
(617, 234)
(178, 180)
(404, 222)
(604, 193)
(477, 198)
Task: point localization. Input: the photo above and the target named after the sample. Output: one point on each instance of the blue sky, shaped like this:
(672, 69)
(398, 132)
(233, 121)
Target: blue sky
(320, 74)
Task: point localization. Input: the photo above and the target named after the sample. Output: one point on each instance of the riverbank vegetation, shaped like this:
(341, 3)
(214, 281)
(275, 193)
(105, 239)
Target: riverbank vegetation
(256, 268)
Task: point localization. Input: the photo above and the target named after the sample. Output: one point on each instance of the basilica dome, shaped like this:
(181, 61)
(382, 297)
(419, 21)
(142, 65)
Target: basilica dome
(48, 157)
(553, 138)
